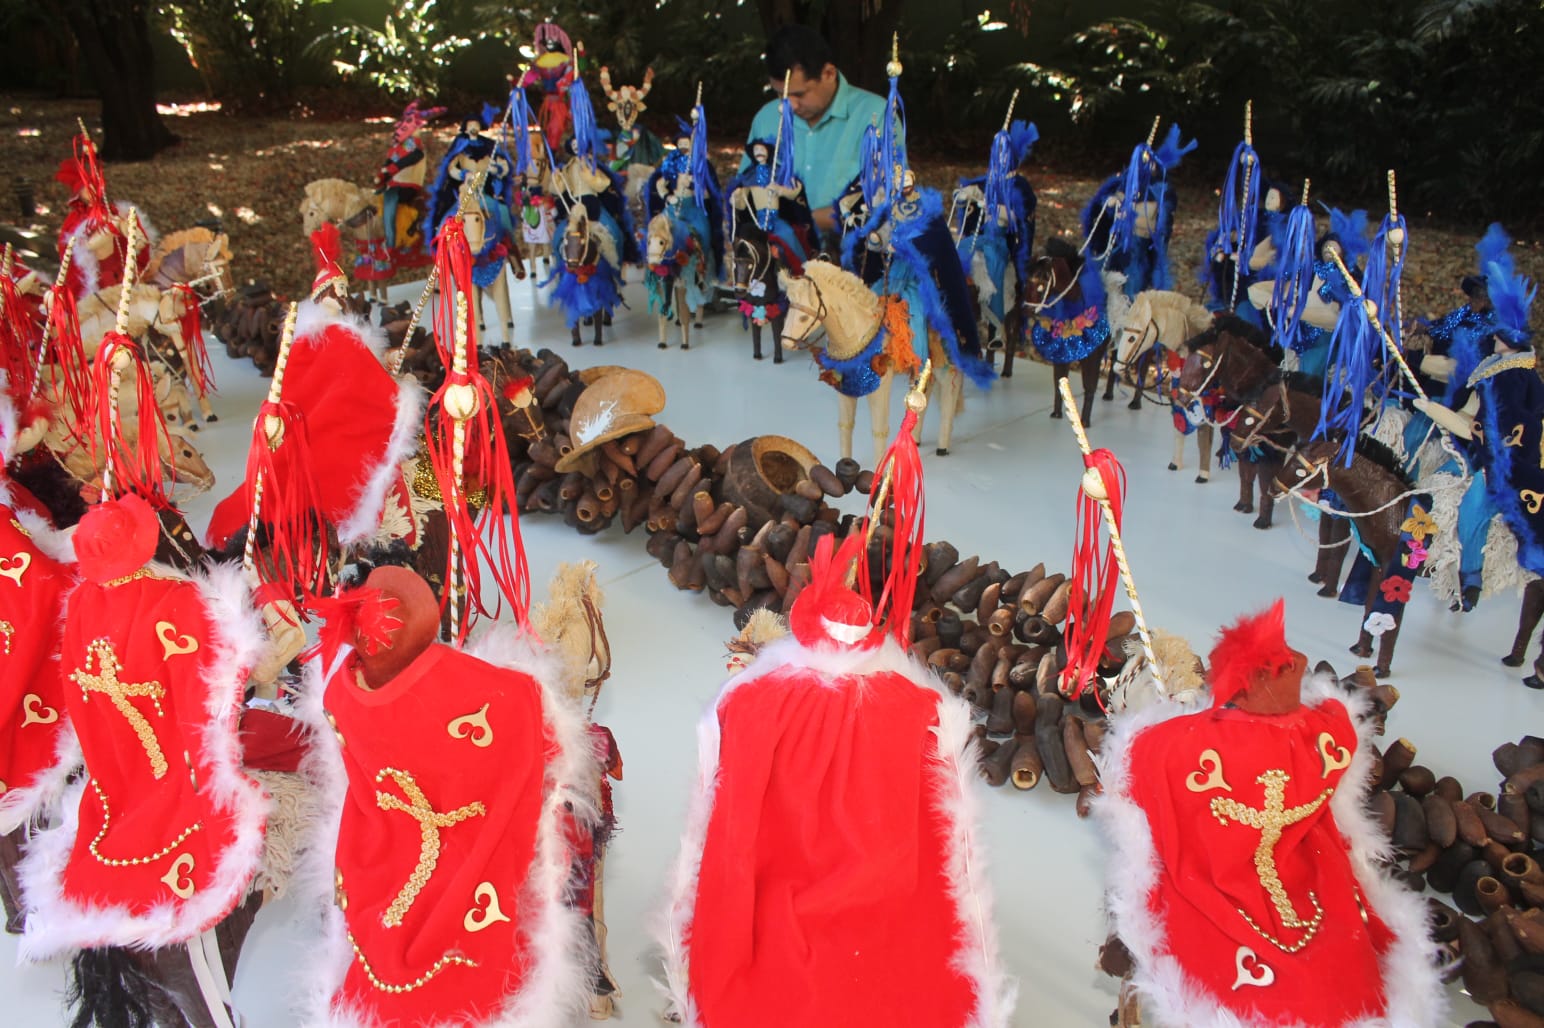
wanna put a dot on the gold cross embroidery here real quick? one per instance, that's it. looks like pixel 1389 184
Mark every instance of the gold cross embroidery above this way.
pixel 430 823
pixel 1270 820
pixel 105 681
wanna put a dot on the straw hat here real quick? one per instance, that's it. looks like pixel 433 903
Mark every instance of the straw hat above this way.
pixel 614 405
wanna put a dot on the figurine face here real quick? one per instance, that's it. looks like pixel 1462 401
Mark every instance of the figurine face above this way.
pixel 1330 250
pixel 759 154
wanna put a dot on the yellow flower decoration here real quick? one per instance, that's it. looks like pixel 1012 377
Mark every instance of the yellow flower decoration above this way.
pixel 1419 524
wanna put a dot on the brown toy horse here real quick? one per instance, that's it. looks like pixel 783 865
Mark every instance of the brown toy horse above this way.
pixel 1053 281
pixel 1368 492
pixel 1239 366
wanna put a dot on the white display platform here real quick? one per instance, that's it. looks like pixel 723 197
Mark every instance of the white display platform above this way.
pixel 1006 492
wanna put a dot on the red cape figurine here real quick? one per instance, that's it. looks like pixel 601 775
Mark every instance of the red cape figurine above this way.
pixel 1243 877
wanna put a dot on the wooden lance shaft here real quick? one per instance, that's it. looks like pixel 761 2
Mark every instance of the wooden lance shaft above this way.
pixel 118 358
pixel 273 434
pixel 50 326
pixel 1103 500
pixel 460 404
pixel 412 323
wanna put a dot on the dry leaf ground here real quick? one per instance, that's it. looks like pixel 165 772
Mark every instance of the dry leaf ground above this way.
pixel 250 172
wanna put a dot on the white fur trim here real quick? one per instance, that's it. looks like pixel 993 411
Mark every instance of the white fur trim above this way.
pixel 38 804
pixel 954 767
pixel 1411 984
pixel 10 427
pixel 365 520
pixel 82 259
pixel 557 989
pixel 56 924
pixel 312 318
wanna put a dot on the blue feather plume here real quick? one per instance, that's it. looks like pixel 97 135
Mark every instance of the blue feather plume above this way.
pixel 783 174
pixel 702 171
pixel 1022 136
pixel 1348 372
pixel 1238 214
pixel 1000 165
pixel 870 171
pixel 1294 274
pixel 1493 248
pixel 520 118
pixel 1511 295
pixel 1134 186
pixel 1170 152
pixel 892 139
pixel 1381 280
pixel 1351 231
pixel 586 136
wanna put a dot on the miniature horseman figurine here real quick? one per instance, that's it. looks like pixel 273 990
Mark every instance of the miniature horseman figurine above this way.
pixel 1254 899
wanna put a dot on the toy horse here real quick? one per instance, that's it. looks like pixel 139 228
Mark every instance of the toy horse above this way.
pixel 589 282
pixel 755 269
pixel 866 342
pixel 1070 327
pixel 1394 532
pixel 494 243
pixel 677 276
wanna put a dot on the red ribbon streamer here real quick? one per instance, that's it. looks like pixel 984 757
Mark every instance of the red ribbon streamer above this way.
pixel 1095 577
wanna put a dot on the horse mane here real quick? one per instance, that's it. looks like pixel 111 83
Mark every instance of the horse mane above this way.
pixel 1381 454
pixel 180 238
pixel 563 623
pixel 1299 382
pixel 1056 247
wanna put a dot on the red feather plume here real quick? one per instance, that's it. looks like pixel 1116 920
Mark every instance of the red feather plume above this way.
pixel 1252 643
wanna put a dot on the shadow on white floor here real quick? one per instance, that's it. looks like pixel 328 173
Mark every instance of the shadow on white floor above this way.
pixel 1007 492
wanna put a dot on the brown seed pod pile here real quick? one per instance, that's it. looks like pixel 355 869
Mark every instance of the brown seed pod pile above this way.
pixel 1484 849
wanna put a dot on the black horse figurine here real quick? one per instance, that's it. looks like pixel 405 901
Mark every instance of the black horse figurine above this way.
pixel 755 266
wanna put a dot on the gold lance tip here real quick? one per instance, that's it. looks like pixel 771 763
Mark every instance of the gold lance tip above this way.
pixel 1304 201
pixel 1152 136
pixel 1249 123
pixel 1393 196
pixel 699 98
pixel 1008 118
pixel 894 68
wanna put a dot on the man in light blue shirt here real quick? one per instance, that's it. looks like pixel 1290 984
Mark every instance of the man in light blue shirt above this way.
pixel 830 116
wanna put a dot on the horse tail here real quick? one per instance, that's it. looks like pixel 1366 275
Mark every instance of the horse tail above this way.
pixel 109 988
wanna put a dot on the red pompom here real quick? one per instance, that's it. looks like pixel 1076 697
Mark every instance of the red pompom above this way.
pixel 116 538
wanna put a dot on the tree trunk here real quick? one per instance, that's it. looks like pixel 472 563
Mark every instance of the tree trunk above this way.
pixel 114 38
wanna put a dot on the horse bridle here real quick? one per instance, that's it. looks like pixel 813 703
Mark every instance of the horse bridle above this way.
pixel 817 317
pixel 1309 471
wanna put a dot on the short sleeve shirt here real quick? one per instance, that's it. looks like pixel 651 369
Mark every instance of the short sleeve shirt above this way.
pixel 826 154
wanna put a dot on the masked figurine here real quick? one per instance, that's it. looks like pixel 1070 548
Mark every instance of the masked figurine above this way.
pixel 553 70
pixel 400 182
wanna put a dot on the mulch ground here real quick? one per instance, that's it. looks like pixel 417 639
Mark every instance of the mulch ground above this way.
pixel 250 174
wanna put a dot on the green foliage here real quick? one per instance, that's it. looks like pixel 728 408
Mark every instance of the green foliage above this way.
pixel 252 54
pixel 1442 91
pixel 409 56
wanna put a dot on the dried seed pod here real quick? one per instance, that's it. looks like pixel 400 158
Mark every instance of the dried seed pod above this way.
pixel 1048 742
pixel 1500 829
pixel 1441 824
pixel 1034 598
pixel 865 482
pixel 681 564
pixel 986 603
pixel 955 683
pixel 1056 607
pixel 686 486
pixel 1449 789
pixel 1417 780
pixel 1000 720
pixel 847 471
pixel 955 578
pixel 1381 806
pixel 1409 833
pixel 826 480
pixel 1483 974
pixel 996 768
pixel 1470 828
pixel 1000 668
pixel 674 477
pixel 662 462
pixel 1399 756
pixel 1085 801
pixel 1094 732
pixel 1027 767
pixel 1013 586
pixel 1077 752
pixel 611 450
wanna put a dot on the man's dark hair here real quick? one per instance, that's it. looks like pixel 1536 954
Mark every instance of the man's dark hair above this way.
pixel 797 46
